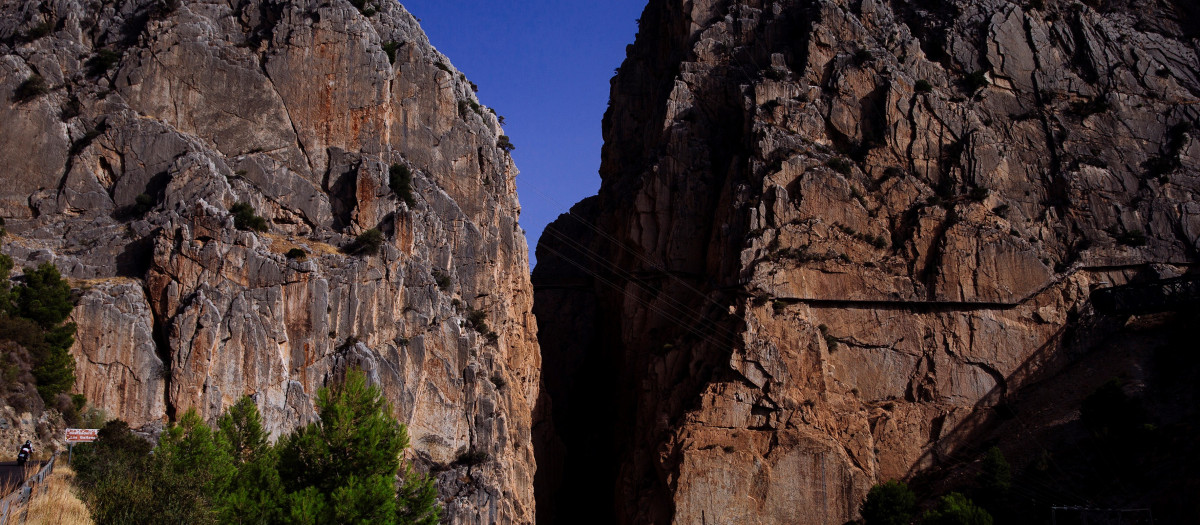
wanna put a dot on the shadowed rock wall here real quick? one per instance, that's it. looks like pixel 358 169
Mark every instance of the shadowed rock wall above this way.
pixel 830 232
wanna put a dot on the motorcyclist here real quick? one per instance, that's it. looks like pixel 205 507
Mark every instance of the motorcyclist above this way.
pixel 26 452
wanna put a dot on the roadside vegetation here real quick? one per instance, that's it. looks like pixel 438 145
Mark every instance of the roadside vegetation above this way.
pixel 36 368
pixel 345 468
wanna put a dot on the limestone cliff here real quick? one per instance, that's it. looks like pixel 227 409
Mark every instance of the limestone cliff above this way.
pixel 132 129
pixel 833 235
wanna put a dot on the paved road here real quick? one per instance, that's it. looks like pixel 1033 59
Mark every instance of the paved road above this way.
pixel 10 474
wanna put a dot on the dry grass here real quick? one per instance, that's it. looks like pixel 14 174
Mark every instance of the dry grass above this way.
pixel 59 504
pixel 281 244
pixel 80 283
pixel 9 488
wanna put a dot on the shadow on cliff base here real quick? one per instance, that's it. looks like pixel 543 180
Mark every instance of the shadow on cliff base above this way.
pixel 1103 415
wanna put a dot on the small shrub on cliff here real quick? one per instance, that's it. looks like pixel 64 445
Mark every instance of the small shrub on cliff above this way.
pixel 477 319
pixel 368 242
pixel 472 457
pixel 297 253
pixel 505 144
pixel 498 380
pixel 390 48
pixel 244 218
pixel 839 165
pixel 102 61
pixel 400 181
pixel 38 31
pixel 862 57
pixel 979 193
pixel 975 81
pixel 923 86
pixel 33 87
pixel 442 280
pixel 142 204
pixel 1132 238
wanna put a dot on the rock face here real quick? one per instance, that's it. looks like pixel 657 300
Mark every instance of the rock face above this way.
pixel 833 235
pixel 133 127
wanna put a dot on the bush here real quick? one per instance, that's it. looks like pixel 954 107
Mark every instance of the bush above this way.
pixel 297 253
pixel 923 86
pixel 1091 107
pixel 498 380
pixel 862 56
pixel 390 48
pixel 1132 238
pixel 368 242
pixel 142 204
pixel 400 181
pixel 102 61
pixel 442 280
pixel 975 81
pixel 505 144
pixel 831 342
pixel 472 457
pixel 245 219
pixel 33 87
pixel 839 165
pixel 38 31
pixel 477 319
pixel 956 509
pixel 341 469
pixel 890 503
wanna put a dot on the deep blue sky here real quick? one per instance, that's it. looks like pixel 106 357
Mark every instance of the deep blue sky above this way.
pixel 544 65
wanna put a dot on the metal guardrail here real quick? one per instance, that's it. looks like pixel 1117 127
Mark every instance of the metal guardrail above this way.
pixel 14 508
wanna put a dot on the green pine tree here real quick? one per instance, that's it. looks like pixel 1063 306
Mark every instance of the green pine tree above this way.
pixel 343 468
pixel 190 469
pixel 45 298
pixel 889 503
pixel 994 484
pixel 956 509
pixel 255 494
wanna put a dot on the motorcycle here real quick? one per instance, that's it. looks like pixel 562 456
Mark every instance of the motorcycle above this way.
pixel 22 457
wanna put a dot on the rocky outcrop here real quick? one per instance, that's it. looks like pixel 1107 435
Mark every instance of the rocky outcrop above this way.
pixel 832 236
pixel 133 128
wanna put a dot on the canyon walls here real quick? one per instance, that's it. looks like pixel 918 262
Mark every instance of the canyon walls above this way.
pixel 136 133
pixel 834 236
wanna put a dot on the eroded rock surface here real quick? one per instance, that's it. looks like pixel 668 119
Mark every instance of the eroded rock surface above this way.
pixel 831 234
pixel 154 119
